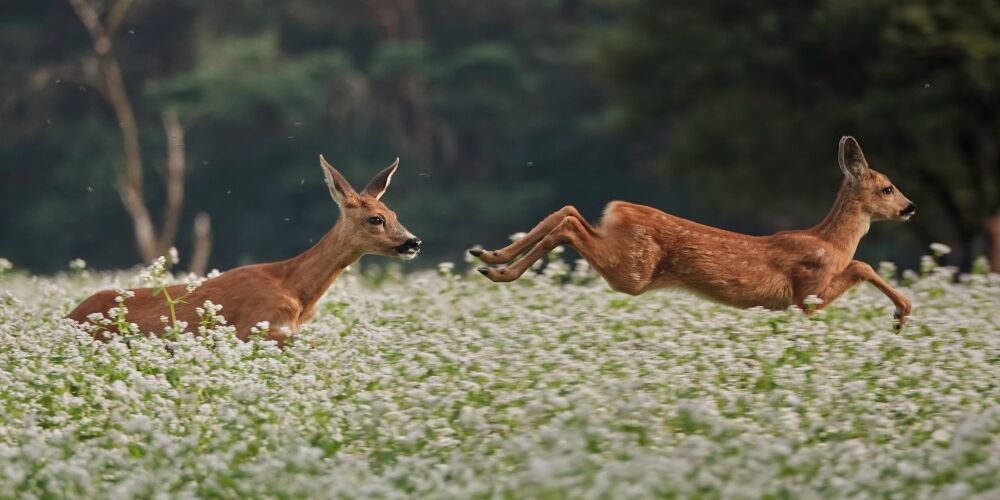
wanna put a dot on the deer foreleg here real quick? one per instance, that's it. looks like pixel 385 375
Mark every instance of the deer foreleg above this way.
pixel 855 273
pixel 510 252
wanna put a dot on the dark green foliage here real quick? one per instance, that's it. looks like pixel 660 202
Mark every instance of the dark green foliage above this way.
pixel 746 98
pixel 499 112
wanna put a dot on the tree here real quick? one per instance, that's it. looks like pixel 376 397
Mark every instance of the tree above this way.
pixel 111 84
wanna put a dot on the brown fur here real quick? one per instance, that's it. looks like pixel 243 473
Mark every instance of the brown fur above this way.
pixel 638 248
pixel 282 293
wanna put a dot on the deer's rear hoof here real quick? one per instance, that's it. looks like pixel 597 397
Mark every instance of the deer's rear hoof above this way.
pixel 499 274
pixel 476 252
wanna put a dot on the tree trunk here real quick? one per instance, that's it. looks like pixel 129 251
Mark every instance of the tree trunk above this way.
pixel 202 244
pixel 174 180
pixel 992 227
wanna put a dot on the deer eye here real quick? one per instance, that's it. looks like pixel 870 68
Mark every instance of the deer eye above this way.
pixel 887 191
pixel 376 221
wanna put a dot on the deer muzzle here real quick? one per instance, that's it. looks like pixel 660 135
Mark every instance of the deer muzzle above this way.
pixel 410 247
pixel 908 212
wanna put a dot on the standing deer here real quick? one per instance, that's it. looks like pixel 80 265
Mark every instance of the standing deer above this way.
pixel 638 248
pixel 282 293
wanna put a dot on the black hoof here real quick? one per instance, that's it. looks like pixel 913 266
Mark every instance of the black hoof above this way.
pixel 485 271
pixel 476 252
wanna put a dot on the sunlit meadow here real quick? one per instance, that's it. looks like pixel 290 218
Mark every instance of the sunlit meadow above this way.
pixel 442 384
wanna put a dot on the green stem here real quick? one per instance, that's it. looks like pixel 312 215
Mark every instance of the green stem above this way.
pixel 170 305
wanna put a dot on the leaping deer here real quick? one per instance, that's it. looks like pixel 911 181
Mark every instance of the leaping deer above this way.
pixel 282 293
pixel 638 248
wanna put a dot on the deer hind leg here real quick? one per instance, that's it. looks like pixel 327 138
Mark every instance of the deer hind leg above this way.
pixel 855 273
pixel 510 252
pixel 591 245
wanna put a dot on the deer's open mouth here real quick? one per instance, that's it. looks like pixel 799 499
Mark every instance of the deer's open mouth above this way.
pixel 408 254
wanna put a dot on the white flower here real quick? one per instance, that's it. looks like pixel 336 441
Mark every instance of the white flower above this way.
pixel 260 328
pixel 194 285
pixel 446 267
pixel 812 300
pixel 5 265
pixel 174 255
pixel 443 387
pixel 517 236
pixel 940 249
pixel 77 264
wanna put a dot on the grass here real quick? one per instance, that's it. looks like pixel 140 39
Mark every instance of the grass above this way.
pixel 445 385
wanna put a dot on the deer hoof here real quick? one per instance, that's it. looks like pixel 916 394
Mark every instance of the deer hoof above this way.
pixel 485 271
pixel 898 320
pixel 476 252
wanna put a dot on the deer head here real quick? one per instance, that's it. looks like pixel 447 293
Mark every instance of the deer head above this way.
pixel 373 228
pixel 878 197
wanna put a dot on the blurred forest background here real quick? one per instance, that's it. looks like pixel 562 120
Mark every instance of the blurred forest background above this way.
pixel 125 120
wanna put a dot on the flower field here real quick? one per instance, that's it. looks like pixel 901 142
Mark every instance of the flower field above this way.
pixel 437 384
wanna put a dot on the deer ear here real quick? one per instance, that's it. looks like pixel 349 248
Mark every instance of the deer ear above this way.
pixel 340 189
pixel 376 188
pixel 852 160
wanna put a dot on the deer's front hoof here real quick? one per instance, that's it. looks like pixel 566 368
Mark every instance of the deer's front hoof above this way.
pixel 899 319
pixel 476 252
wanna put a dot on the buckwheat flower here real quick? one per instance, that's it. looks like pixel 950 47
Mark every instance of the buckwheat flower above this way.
pixel 940 249
pixel 5 265
pixel 192 286
pixel 260 328
pixel 517 236
pixel 446 267
pixel 174 256
pixel 95 317
pixel 77 265
pixel 812 300
pixel 214 273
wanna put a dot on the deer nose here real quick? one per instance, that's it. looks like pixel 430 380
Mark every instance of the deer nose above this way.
pixel 908 210
pixel 412 244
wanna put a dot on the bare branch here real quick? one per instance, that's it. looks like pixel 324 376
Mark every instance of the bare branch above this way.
pixel 91 20
pixel 117 16
pixel 89 17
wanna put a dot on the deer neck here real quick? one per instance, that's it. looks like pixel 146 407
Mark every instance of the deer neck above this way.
pixel 310 274
pixel 846 223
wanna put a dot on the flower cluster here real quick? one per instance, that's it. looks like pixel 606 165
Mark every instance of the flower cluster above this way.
pixel 443 384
